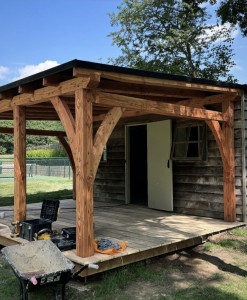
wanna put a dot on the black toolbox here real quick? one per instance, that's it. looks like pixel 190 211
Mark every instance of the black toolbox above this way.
pixel 69 233
pixel 48 215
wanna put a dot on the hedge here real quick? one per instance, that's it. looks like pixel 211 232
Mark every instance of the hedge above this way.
pixel 46 153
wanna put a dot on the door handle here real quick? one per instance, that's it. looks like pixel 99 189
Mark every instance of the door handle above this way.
pixel 168 164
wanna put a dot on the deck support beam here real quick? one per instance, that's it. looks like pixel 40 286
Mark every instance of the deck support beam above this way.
pixel 19 163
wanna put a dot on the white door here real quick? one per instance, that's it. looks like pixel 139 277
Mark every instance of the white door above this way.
pixel 160 191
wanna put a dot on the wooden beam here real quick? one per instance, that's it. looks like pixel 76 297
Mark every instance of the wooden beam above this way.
pixel 160 108
pixel 44 94
pixel 135 79
pixel 229 167
pixel 219 98
pixel 103 133
pixel 138 89
pixel 5 105
pixel 126 114
pixel 84 173
pixel 34 132
pixel 67 149
pixel 19 163
pixel 67 120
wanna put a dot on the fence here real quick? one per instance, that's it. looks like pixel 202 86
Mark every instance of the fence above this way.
pixel 52 166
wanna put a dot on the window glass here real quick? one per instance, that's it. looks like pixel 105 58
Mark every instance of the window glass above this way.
pixel 189 143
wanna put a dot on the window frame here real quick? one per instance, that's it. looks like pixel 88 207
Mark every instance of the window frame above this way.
pixel 202 139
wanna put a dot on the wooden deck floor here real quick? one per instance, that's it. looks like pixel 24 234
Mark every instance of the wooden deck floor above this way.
pixel 147 232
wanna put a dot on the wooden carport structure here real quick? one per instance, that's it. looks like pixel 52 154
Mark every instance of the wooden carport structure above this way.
pixel 79 93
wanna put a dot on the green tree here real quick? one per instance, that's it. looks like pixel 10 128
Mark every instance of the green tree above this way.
pixel 172 36
pixel 235 12
pixel 7 141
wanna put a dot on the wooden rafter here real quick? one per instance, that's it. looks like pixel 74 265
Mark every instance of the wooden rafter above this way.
pixel 138 89
pixel 155 107
pixel 151 81
pixel 219 98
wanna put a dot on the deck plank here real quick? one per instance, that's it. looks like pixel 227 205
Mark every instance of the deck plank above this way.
pixel 147 232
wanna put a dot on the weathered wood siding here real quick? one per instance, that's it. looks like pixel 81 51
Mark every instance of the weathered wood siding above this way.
pixel 110 179
pixel 244 152
pixel 198 186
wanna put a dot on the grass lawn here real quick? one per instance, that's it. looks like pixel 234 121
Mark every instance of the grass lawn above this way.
pixel 216 270
pixel 58 188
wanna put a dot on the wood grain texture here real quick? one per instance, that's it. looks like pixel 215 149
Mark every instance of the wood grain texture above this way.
pixel 229 167
pixel 157 107
pixel 219 98
pixel 147 232
pixel 151 81
pixel 44 94
pixel 219 137
pixel 103 133
pixel 19 164
pixel 67 120
pixel 84 173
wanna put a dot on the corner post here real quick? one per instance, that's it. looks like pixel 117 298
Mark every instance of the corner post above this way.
pixel 229 164
pixel 84 172
pixel 19 163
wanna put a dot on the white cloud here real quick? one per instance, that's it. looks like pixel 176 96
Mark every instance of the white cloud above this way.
pixel 219 29
pixel 3 72
pixel 33 69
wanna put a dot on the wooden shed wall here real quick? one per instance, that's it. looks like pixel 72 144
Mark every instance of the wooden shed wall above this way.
pixel 244 146
pixel 110 179
pixel 198 186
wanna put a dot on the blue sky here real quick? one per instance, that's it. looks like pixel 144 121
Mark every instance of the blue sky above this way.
pixel 36 34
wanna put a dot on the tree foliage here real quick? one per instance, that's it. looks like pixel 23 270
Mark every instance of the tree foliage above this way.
pixel 7 141
pixel 172 36
pixel 235 12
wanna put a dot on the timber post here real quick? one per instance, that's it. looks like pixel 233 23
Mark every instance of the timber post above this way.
pixel 229 164
pixel 84 172
pixel 225 140
pixel 19 163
